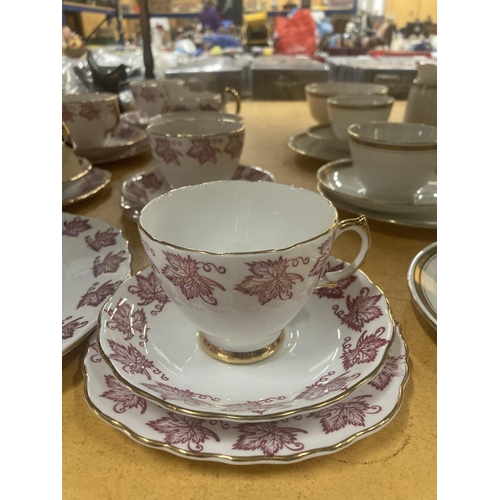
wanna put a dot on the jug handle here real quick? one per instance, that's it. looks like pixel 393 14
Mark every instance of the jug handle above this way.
pixel 236 96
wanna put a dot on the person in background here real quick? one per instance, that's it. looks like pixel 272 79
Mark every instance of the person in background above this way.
pixel 209 17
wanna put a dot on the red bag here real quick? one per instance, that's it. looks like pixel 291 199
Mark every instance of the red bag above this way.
pixel 296 34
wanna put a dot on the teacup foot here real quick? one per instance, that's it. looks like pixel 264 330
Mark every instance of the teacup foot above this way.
pixel 241 358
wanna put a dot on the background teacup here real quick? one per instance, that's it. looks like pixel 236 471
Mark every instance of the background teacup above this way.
pixel 182 99
pixel 190 151
pixel 151 96
pixel 318 93
pixel 393 160
pixel 344 110
pixel 90 117
pixel 241 259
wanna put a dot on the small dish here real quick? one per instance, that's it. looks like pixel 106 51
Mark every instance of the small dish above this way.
pixel 321 132
pixel 306 145
pixel 83 187
pixel 422 282
pixel 95 260
pixel 336 343
pixel 326 431
pixel 340 178
pixel 139 190
pixel 123 142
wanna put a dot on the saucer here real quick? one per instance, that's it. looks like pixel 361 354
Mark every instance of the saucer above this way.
pixel 95 260
pixel 337 342
pixel 123 142
pixel 85 167
pixel 321 132
pixel 139 190
pixel 422 219
pixel 339 177
pixel 83 187
pixel 422 282
pixel 137 118
pixel 312 147
pixel 323 432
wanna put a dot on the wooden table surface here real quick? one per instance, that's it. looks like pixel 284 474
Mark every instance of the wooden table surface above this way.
pixel 397 462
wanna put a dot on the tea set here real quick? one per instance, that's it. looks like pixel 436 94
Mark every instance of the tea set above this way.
pixel 243 325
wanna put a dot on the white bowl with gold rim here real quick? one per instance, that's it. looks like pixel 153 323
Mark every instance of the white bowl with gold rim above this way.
pixel 393 160
pixel 318 93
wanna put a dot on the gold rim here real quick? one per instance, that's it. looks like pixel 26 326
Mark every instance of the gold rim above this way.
pixel 257 252
pixel 190 136
pixel 386 104
pixel 394 147
pixel 86 168
pixel 240 358
pixel 88 193
pixel 224 416
pixel 237 459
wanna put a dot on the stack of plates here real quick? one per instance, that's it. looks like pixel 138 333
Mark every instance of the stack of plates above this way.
pixel 338 377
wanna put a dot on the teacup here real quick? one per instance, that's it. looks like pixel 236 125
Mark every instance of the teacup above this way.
pixel 72 167
pixel 318 93
pixel 194 115
pixel 90 117
pixel 190 151
pixel 241 259
pixel 344 110
pixel 151 96
pixel 393 160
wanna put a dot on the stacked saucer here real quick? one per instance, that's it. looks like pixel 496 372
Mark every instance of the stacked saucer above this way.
pixel 338 182
pixel 317 143
pixel 339 376
pixel 95 260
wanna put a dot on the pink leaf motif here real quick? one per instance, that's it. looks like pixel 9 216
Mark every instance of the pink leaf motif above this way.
pixel 180 429
pixel 202 151
pixel 167 152
pixel 123 398
pixel 324 255
pixel 351 412
pixel 95 296
pixel 110 264
pixel 338 291
pixel 258 406
pixel 170 393
pixel 248 174
pixel 68 329
pixel 76 226
pixel 268 437
pixel 151 181
pixel 362 309
pixel 102 239
pixel 148 289
pixel 394 367
pixel 67 114
pixel 150 94
pixel 128 322
pixel 321 387
pixel 207 107
pixel 183 273
pixel 89 111
pixel 366 348
pixel 234 146
pixel 137 193
pixel 269 280
pixel 125 133
pixel 131 359
pixel 180 107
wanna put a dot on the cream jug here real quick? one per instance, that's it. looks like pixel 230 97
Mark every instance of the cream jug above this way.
pixel 421 106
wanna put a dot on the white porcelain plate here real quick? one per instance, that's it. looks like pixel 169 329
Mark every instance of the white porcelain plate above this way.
pixel 422 282
pixel 306 145
pixel 95 260
pixel 338 177
pixel 288 440
pixel 123 142
pixel 139 190
pixel 83 187
pixel 337 342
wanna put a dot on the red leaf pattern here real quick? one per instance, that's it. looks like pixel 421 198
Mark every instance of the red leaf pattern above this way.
pixel 150 94
pixel 131 359
pixel 89 111
pixel 76 226
pixel 151 181
pixel 336 292
pixel 183 273
pixel 394 367
pixel 324 254
pixel 68 329
pixel 110 263
pixel 258 406
pixel 166 151
pixel 248 174
pixel 267 437
pixel 203 151
pixel 366 348
pixel 269 280
pixel 124 399
pixel 128 322
pixel 362 309
pixel 321 387
pixel 234 146
pixel 102 239
pixel 149 289
pixel 67 114
pixel 351 412
pixel 170 393
pixel 95 296
pixel 181 429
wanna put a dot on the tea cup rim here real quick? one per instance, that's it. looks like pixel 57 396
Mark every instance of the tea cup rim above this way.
pixel 150 129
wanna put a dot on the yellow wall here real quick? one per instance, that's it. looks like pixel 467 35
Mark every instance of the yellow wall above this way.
pixel 409 10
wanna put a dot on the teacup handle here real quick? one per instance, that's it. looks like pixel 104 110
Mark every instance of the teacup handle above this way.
pixel 236 96
pixel 360 226
pixel 66 136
